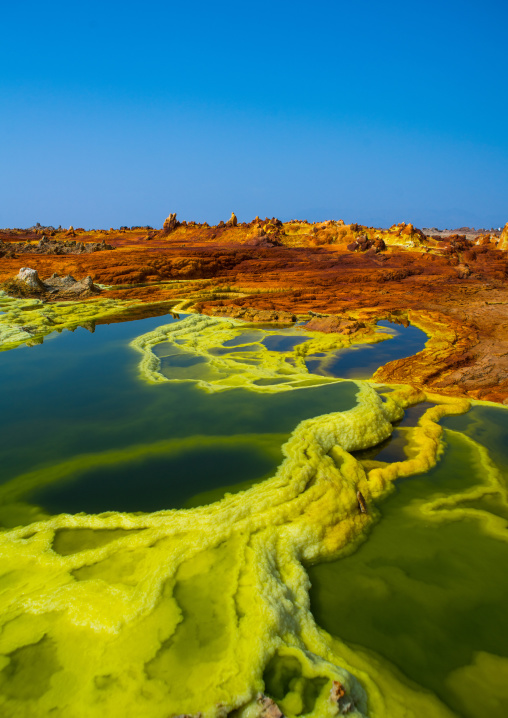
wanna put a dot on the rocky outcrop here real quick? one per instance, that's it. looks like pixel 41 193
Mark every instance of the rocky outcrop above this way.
pixel 463 271
pixel 258 316
pixel 406 235
pixel 71 287
pixel 363 244
pixel 503 239
pixel 267 708
pixel 170 224
pixel 262 240
pixel 31 279
pixel 53 246
pixel 339 698
pixel 232 221
pixel 7 250
pixel 55 286
pixel 470 233
pixel 277 272
pixel 335 325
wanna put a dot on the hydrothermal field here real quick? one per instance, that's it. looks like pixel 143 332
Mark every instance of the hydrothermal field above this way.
pixel 196 511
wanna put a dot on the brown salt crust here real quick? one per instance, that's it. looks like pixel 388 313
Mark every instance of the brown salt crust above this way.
pixel 453 287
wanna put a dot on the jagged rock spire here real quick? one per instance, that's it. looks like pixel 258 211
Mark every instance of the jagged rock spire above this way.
pixel 170 224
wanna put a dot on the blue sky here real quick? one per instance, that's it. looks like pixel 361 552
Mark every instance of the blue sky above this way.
pixel 119 113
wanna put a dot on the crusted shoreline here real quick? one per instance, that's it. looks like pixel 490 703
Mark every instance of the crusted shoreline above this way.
pixel 452 285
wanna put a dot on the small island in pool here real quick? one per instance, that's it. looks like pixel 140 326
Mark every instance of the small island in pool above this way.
pixel 253 470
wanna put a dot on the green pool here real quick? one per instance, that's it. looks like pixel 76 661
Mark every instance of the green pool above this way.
pixel 180 530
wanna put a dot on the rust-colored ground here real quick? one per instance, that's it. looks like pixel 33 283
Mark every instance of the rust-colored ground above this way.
pixel 456 290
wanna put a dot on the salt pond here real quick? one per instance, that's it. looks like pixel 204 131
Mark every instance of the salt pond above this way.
pixel 415 612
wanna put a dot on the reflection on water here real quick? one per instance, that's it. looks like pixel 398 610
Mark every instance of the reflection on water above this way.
pixel 244 338
pixel 427 595
pixel 79 395
pixel 283 343
pixel 361 362
pixel 221 351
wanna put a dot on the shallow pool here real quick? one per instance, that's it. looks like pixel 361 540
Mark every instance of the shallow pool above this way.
pixel 362 361
pixel 127 613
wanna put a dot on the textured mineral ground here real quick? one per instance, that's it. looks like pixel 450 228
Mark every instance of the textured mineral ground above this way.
pixel 343 278
pixel 178 546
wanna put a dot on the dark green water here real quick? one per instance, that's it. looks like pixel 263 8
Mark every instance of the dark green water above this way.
pixel 392 449
pixel 79 394
pixel 426 595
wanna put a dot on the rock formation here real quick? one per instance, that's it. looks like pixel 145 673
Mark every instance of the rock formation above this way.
pixel 339 698
pixel 503 240
pixel 170 224
pixel 69 286
pixel 334 325
pixel 7 250
pixel 30 278
pixel 53 246
pixel 55 286
pixel 454 285
pixel 267 708
pixel 363 244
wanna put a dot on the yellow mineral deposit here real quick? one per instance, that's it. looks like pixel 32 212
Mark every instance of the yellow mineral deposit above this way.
pixel 249 363
pixel 198 611
pixel 27 321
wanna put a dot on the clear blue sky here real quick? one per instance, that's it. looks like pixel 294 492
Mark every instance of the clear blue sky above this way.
pixel 118 113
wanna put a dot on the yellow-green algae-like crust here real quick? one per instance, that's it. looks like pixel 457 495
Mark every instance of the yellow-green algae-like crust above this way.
pixel 249 364
pixel 176 612
pixel 27 321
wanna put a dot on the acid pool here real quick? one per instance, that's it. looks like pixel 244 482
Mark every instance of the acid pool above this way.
pixel 168 488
